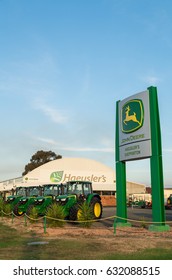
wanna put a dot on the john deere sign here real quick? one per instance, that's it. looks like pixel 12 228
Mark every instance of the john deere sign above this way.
pixel 138 136
pixel 134 134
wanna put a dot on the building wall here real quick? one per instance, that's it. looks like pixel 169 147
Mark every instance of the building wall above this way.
pixel 108 200
pixel 133 187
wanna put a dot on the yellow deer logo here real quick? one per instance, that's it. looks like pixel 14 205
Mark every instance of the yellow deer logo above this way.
pixel 130 117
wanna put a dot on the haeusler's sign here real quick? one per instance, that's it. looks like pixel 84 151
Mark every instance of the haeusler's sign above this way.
pixel 60 176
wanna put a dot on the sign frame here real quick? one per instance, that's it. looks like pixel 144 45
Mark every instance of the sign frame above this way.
pixel 153 131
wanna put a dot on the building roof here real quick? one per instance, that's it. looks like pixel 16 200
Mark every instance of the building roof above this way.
pixel 67 169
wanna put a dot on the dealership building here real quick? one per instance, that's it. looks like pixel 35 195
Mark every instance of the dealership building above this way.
pixel 66 169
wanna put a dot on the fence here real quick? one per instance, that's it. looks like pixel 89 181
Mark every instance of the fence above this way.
pixel 142 223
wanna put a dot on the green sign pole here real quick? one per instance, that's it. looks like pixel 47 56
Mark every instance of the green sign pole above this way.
pixel 120 181
pixel 121 192
pixel 158 210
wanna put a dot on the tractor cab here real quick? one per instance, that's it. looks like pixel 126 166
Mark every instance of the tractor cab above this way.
pixel 79 188
pixel 32 191
pixel 18 193
pixel 52 190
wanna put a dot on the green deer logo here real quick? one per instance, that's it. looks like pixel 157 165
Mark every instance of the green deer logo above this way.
pixel 132 116
pixel 128 117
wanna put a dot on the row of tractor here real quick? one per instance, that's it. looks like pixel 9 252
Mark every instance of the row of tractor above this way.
pixel 70 196
pixel 140 200
pixel 143 203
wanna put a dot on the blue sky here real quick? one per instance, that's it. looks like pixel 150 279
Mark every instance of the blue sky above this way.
pixel 63 66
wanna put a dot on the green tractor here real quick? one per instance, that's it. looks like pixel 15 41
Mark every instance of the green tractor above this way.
pixel 168 204
pixel 76 193
pixel 43 202
pixel 25 201
pixel 13 199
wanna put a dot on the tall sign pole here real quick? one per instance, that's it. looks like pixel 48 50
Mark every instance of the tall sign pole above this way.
pixel 157 184
pixel 120 178
pixel 138 137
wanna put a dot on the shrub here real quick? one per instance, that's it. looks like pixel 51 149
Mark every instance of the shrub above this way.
pixel 85 215
pixel 6 209
pixel 1 204
pixel 33 214
pixel 143 222
pixel 55 211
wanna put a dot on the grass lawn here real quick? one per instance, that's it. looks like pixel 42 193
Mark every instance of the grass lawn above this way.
pixel 31 246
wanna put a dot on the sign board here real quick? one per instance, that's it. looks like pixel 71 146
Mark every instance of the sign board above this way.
pixel 134 127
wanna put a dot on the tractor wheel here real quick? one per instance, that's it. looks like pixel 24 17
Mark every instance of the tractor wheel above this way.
pixel 74 213
pixel 168 201
pixel 16 210
pixel 96 206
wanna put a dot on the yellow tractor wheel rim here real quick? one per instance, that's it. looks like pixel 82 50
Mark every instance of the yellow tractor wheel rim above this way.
pixel 20 212
pixel 97 210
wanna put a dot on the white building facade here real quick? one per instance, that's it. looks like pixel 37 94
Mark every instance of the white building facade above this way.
pixel 69 169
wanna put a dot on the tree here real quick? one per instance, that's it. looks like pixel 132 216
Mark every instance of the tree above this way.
pixel 40 158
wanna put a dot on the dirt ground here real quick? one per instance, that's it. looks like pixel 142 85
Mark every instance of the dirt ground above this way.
pixel 133 237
